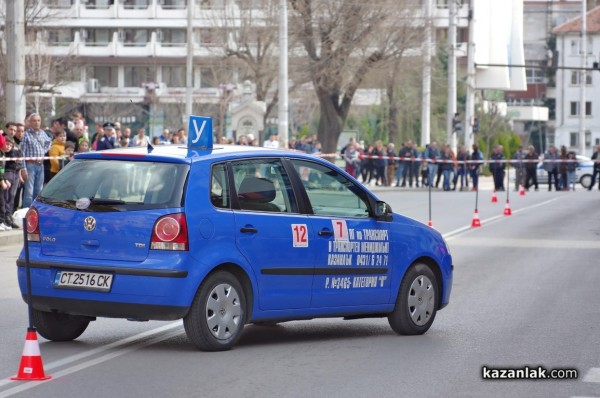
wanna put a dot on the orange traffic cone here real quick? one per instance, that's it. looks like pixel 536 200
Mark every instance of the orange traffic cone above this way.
pixel 31 366
pixel 507 211
pixel 522 190
pixel 476 222
pixel 494 197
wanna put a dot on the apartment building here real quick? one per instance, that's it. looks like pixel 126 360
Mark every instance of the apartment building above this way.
pixel 569 81
pixel 125 60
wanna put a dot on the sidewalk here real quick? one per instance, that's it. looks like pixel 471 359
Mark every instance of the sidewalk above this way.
pixel 15 236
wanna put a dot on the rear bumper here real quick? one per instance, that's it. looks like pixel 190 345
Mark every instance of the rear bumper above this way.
pixel 137 292
pixel 140 312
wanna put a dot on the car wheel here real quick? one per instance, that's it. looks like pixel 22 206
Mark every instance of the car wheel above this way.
pixel 217 315
pixel 586 181
pixel 416 304
pixel 59 327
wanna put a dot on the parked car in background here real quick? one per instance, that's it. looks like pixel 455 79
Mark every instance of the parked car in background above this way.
pixel 584 172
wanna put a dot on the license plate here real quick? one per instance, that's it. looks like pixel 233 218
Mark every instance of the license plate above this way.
pixel 83 280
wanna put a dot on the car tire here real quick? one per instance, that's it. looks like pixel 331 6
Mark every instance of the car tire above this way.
pixel 218 313
pixel 586 181
pixel 416 304
pixel 56 326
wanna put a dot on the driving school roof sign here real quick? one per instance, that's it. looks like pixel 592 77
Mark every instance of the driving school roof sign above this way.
pixel 200 132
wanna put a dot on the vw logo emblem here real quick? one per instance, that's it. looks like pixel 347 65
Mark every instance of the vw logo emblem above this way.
pixel 89 223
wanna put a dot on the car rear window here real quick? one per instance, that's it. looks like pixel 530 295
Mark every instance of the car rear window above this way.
pixel 117 185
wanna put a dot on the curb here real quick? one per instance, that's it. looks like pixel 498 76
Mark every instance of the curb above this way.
pixel 11 237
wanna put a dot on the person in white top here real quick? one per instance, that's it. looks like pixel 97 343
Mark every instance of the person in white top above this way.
pixel 272 142
pixel 140 139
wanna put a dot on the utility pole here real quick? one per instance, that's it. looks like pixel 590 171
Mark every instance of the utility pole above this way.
pixel 451 74
pixel 582 78
pixel 426 89
pixel 15 40
pixel 189 67
pixel 470 134
pixel 283 74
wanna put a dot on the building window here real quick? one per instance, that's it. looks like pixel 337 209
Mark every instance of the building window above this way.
pixel 444 3
pixel 107 76
pixel 98 37
pixel 60 37
pixel 576 78
pixel 59 3
pixel 172 37
pixel 575 108
pixel 574 47
pixel 99 4
pixel 136 4
pixel 534 76
pixel 207 78
pixel 574 139
pixel 212 3
pixel 173 76
pixel 137 76
pixel 135 37
pixel 173 4
pixel 208 37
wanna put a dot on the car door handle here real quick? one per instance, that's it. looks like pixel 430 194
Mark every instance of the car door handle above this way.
pixel 325 232
pixel 248 230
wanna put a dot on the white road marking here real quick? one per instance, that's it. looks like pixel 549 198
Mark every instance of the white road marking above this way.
pixel 537 243
pixel 90 363
pixel 128 340
pixel 453 234
pixel 592 376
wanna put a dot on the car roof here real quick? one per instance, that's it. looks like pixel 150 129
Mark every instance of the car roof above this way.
pixel 185 154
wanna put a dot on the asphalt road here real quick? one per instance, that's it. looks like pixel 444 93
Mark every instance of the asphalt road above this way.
pixel 526 293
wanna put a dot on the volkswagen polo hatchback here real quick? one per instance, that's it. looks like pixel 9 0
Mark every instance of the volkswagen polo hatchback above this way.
pixel 223 237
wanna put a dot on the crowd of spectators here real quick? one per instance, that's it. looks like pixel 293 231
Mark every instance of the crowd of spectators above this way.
pixel 22 178
pixel 37 154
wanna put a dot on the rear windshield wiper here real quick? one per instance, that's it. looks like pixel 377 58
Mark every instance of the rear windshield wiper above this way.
pixel 98 201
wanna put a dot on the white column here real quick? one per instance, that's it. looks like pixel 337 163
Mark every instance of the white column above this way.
pixel 451 73
pixel 189 66
pixel 15 40
pixel 426 89
pixel 283 74
pixel 582 76
pixel 470 101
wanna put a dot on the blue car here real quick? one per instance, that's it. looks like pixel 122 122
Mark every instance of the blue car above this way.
pixel 223 237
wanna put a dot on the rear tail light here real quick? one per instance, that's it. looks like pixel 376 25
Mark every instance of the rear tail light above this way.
pixel 170 233
pixel 32 223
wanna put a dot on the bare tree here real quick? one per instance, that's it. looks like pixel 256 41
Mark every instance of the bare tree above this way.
pixel 344 40
pixel 251 41
pixel 44 72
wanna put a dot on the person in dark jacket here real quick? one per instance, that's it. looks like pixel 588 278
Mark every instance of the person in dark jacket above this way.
pixel 519 167
pixel 475 166
pixel 596 173
pixel 562 168
pixel 551 158
pixel 497 166
pixel 531 162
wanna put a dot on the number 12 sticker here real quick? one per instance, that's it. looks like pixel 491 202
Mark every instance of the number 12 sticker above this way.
pixel 300 235
pixel 340 229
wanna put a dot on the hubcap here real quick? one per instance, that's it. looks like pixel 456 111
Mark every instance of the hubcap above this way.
pixel 421 300
pixel 223 311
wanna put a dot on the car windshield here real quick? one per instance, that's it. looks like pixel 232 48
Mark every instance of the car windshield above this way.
pixel 117 185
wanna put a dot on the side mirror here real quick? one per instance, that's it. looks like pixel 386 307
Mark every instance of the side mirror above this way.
pixel 383 211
